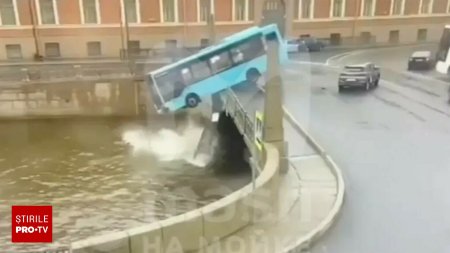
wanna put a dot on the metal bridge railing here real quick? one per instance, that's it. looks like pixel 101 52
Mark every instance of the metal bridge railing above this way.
pixel 242 119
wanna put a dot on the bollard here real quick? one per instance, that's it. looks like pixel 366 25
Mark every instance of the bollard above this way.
pixel 26 75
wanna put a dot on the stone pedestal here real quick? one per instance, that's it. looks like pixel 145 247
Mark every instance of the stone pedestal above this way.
pixel 273 132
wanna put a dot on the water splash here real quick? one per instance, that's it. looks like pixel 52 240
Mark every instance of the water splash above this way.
pixel 169 145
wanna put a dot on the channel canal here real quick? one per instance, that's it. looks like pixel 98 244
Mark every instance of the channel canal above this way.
pixel 96 181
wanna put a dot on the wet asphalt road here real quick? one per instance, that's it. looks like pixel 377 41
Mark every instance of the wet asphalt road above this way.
pixel 392 144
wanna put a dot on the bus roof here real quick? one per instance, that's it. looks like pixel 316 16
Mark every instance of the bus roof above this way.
pixel 219 45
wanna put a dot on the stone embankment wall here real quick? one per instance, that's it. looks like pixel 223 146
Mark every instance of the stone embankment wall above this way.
pixel 120 97
pixel 74 90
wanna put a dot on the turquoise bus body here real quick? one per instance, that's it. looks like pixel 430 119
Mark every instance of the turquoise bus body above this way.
pixel 227 78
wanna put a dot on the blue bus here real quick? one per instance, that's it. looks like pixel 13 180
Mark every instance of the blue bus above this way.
pixel 241 57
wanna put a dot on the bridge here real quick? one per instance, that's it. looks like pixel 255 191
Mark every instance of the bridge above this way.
pixel 259 116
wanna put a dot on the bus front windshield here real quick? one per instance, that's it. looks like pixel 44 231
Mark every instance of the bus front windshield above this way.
pixel 170 84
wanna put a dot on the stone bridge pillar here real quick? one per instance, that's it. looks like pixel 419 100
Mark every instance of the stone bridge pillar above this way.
pixel 273 130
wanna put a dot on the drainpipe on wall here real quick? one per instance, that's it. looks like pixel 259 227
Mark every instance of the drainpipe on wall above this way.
pixel 130 57
pixel 355 20
pixel 211 23
pixel 185 26
pixel 122 54
pixel 32 9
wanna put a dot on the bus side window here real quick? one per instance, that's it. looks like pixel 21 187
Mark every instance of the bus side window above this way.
pixel 200 70
pixel 237 55
pixel 187 76
pixel 220 62
pixel 252 49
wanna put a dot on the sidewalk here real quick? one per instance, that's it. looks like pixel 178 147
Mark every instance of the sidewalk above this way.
pixel 307 195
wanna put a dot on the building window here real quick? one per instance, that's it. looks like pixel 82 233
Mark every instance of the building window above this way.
pixel 297 9
pixel 394 36
pixel 421 35
pixel 8 14
pixel 306 8
pixel 48 12
pixel 251 9
pixel 239 10
pixel 171 44
pixel 94 48
pixel 52 49
pixel 397 7
pixel 13 51
pixel 368 8
pixel 335 39
pixel 131 11
pixel 90 12
pixel 206 7
pixel 243 10
pixel 204 43
pixel 425 6
pixel 366 37
pixel 338 8
pixel 303 9
pixel 170 10
pixel 134 47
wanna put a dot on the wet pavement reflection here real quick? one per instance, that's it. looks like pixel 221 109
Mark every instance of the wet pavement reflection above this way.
pixel 95 185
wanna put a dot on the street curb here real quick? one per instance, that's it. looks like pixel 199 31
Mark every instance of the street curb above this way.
pixel 305 242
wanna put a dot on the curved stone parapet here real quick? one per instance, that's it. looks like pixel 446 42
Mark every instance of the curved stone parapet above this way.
pixel 198 228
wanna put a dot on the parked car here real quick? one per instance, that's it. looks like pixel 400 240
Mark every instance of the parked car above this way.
pixel 420 60
pixel 296 45
pixel 364 76
pixel 313 44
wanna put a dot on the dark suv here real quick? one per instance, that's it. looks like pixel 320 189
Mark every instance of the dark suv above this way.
pixel 313 44
pixel 364 76
pixel 420 60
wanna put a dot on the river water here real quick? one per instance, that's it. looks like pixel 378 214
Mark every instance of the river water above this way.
pixel 95 182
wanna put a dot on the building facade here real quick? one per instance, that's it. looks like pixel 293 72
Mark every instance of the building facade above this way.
pixel 102 28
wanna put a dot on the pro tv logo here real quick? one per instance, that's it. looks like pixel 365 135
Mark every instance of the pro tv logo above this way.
pixel 31 224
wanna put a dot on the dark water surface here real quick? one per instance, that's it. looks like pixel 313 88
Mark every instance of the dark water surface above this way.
pixel 94 183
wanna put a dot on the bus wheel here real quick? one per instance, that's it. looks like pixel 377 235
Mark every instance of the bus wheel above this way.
pixel 253 75
pixel 192 100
